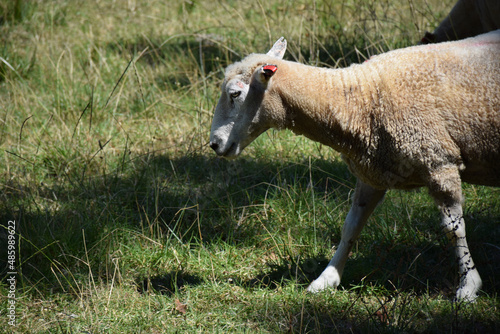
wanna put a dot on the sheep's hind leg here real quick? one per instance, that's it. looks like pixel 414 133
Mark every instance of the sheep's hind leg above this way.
pixel 454 226
pixel 365 201
pixel 448 194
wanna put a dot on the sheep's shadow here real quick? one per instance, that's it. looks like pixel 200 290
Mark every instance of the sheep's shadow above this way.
pixel 200 198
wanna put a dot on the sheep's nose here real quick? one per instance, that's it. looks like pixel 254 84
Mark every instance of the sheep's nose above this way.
pixel 214 146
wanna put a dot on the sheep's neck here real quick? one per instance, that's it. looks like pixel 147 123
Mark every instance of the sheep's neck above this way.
pixel 333 108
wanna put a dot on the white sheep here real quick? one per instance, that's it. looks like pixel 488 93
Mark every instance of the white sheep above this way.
pixel 422 116
pixel 468 18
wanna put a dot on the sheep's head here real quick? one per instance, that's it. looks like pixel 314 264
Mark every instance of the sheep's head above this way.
pixel 239 117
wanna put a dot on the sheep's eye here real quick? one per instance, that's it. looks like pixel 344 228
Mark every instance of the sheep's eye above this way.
pixel 235 94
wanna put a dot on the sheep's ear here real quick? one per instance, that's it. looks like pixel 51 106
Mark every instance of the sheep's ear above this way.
pixel 264 73
pixel 278 49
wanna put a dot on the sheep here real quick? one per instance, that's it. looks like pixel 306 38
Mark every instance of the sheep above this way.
pixel 468 18
pixel 423 116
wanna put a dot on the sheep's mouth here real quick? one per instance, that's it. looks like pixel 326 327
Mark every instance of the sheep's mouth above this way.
pixel 231 152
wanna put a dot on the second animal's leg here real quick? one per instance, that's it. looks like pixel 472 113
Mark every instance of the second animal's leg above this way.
pixel 446 190
pixel 365 201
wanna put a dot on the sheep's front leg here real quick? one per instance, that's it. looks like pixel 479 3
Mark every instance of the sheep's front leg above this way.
pixel 365 201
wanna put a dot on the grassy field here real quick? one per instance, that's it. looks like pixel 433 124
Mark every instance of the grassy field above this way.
pixel 126 222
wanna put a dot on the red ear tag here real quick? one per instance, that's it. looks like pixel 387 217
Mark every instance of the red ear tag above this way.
pixel 269 69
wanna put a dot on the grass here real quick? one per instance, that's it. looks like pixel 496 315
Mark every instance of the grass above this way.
pixel 126 222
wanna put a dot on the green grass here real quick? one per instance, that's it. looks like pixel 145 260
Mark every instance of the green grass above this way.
pixel 128 223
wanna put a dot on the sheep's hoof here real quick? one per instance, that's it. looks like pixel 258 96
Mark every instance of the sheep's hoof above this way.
pixel 328 279
pixel 469 287
pixel 466 294
pixel 314 288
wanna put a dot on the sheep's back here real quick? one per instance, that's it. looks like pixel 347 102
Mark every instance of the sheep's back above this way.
pixel 440 104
